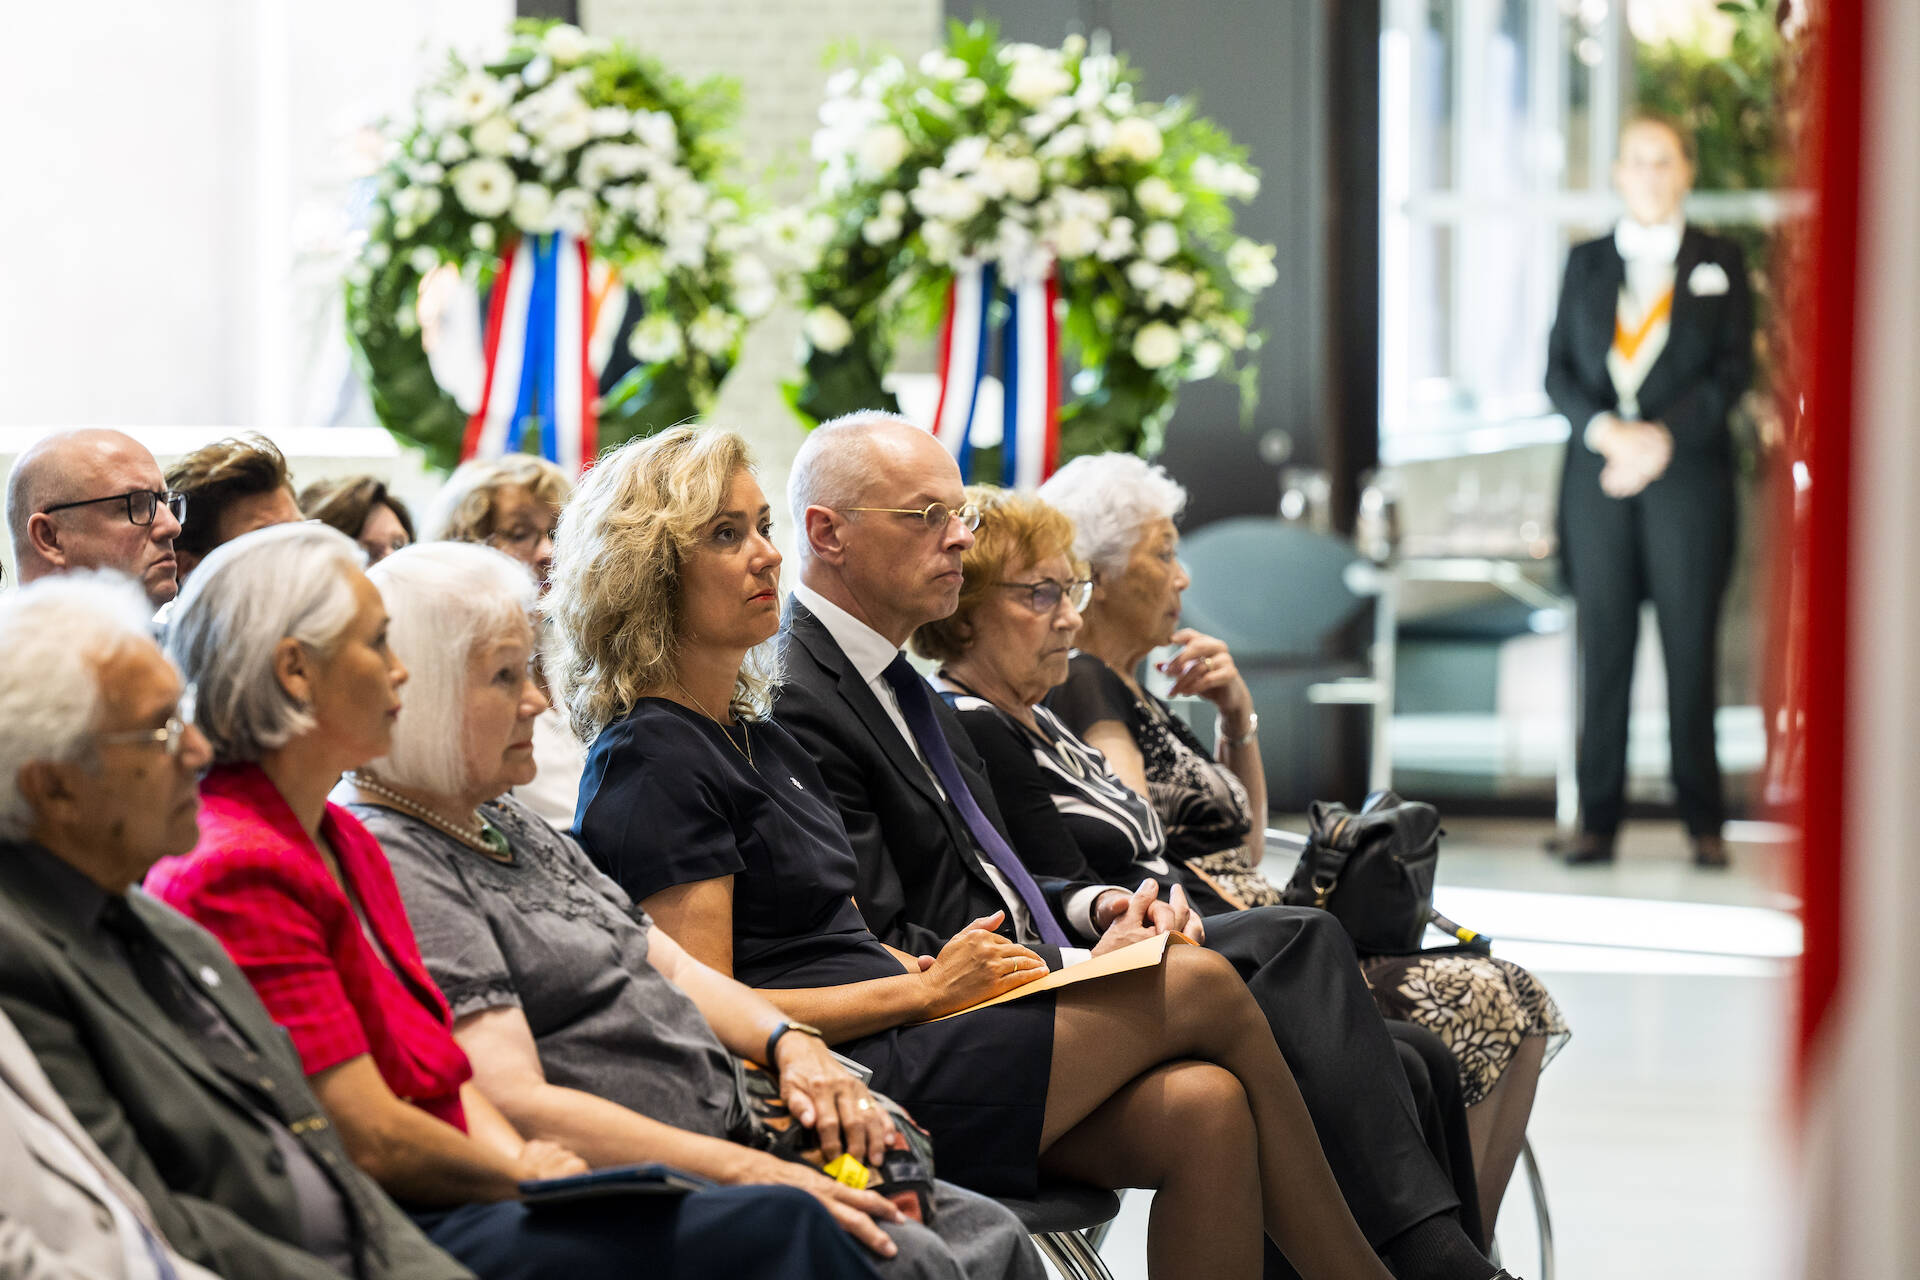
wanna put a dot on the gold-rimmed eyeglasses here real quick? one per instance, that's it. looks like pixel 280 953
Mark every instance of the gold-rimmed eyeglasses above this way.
pixel 170 736
pixel 935 515
pixel 1045 595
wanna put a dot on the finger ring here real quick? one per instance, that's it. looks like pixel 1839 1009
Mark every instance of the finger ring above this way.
pixel 1206 663
pixel 865 1104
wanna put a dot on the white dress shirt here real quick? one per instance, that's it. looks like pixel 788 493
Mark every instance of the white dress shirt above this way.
pixel 1649 253
pixel 871 654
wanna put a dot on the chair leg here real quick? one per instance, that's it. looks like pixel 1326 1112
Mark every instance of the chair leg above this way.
pixel 1537 1184
pixel 1097 1235
pixel 1072 1255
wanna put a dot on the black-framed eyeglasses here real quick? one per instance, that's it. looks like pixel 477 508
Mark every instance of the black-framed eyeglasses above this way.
pixel 141 504
pixel 935 514
pixel 1045 595
pixel 171 736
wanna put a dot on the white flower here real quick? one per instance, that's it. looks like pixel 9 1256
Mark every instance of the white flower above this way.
pixel 566 44
pixel 965 154
pixel 713 332
pixel 892 204
pixel 686 244
pixel 656 130
pixel 610 122
pixel 655 339
pixel 571 210
pixel 1174 289
pixel 1074 238
pixel 941 239
pixel 644 273
pixel 826 330
pixel 537 72
pixel 684 200
pixel 1119 241
pixel 415 204
pixel 1142 275
pixel 1208 356
pixel 476 96
pixel 941 65
pixel 1135 138
pixel 423 260
pixel 880 151
pixel 1159 241
pixel 880 230
pixel 452 149
pixel 484 188
pixel 497 136
pixel 754 291
pixel 1156 346
pixel 1074 45
pixel 379 254
pixel 1019 175
pixel 796 237
pixel 1036 81
pixel 533 208
pixel 1230 332
pixel 970 92
pixel 1158 198
pixel 1067 144
pixel 482 236
pixel 943 196
pixel 1251 265
pixel 606 162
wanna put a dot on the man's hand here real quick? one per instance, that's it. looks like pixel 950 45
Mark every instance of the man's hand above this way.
pixel 830 1100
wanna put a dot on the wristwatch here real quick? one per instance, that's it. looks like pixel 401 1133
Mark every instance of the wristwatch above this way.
pixel 783 1028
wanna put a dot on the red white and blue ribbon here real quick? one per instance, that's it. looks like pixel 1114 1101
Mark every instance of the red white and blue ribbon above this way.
pixel 1029 371
pixel 539 374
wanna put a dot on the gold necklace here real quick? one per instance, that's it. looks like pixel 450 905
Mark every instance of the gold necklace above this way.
pixel 724 731
pixel 482 836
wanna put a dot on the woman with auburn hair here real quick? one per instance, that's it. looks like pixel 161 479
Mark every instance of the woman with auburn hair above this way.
pixel 665 600
pixel 361 508
pixel 286 642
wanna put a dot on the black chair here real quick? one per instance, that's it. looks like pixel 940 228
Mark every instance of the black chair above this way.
pixel 1066 1220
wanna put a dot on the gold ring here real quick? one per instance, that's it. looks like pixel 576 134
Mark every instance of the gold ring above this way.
pixel 865 1104
pixel 1206 663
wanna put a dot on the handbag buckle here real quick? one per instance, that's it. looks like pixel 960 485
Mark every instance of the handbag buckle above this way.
pixel 1322 891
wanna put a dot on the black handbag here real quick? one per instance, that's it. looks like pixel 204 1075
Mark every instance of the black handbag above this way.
pixel 1373 871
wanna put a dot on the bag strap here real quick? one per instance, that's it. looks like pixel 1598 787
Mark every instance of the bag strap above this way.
pixel 1330 855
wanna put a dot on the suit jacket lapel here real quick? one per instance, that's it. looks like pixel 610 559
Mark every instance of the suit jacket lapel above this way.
pixel 859 697
pixel 1693 251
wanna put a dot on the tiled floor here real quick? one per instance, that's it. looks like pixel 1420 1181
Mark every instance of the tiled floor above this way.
pixel 1659 1129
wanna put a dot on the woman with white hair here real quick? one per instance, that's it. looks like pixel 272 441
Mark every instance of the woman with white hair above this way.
pixel 1500 1024
pixel 287 642
pixel 588 1025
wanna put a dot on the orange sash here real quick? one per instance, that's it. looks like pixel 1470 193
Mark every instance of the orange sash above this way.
pixel 1626 342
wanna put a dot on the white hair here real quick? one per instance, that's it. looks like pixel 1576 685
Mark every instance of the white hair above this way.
pixel 56 632
pixel 1111 499
pixel 833 466
pixel 444 600
pixel 285 581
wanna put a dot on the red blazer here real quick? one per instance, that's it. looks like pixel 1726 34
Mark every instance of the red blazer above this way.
pixel 260 885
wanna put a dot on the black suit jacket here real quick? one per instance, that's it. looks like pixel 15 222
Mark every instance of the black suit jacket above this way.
pixel 1694 382
pixel 168 1119
pixel 920 879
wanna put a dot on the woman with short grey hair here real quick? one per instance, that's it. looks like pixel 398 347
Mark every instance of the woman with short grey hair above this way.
pixel 586 1024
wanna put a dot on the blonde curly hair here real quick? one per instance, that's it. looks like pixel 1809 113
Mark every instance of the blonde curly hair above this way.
pixel 615 594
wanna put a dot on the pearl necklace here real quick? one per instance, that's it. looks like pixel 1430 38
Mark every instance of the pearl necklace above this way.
pixel 724 731
pixel 481 836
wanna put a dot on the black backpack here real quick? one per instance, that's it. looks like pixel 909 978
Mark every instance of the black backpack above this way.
pixel 1373 870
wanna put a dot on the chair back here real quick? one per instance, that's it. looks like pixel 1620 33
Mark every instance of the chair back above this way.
pixel 1275 592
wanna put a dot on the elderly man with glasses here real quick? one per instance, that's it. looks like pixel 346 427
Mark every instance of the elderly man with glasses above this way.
pixel 147 1030
pixel 94 499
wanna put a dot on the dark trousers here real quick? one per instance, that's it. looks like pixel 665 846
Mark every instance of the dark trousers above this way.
pixel 742 1233
pixel 1672 543
pixel 1302 971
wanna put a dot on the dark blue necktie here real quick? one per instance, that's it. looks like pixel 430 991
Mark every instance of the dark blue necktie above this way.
pixel 916 708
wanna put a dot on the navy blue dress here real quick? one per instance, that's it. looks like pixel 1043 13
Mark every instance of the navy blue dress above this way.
pixel 667 800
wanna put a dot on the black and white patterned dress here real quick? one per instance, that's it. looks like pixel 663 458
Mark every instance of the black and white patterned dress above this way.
pixel 1484 1007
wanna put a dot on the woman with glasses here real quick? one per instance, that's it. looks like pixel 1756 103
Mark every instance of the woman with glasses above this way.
pixel 1500 1025
pixel 664 607
pixel 286 641
pixel 512 504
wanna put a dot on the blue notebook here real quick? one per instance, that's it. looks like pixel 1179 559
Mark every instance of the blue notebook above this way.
pixel 620 1180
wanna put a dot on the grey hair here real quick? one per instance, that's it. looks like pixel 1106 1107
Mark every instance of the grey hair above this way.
pixel 463 509
pixel 444 600
pixel 56 632
pixel 834 466
pixel 1111 499
pixel 285 581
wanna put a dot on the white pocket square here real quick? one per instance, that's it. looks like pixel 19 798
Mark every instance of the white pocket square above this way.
pixel 1707 279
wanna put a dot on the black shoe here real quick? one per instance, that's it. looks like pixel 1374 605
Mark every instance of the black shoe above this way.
pixel 1588 849
pixel 1711 851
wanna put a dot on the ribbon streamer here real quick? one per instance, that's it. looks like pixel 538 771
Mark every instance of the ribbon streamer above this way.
pixel 539 373
pixel 1030 372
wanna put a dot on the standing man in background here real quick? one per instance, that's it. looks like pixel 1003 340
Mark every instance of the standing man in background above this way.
pixel 1651 348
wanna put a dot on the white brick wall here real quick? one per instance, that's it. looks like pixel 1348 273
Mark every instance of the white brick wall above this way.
pixel 777 50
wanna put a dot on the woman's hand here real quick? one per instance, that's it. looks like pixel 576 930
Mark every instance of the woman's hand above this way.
pixel 1203 668
pixel 542 1159
pixel 855 1211
pixel 830 1100
pixel 978 964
